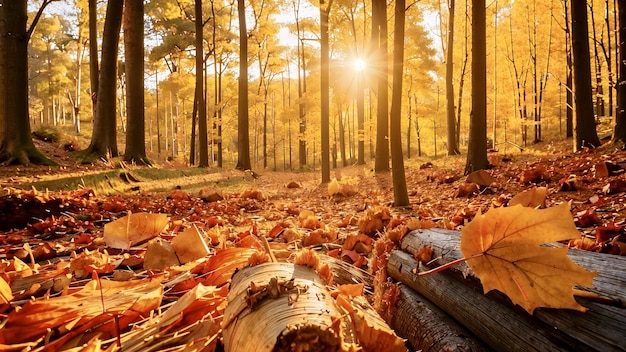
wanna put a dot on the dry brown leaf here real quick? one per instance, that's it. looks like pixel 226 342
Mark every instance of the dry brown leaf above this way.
pixel 190 245
pixel 503 248
pixel 159 255
pixel 309 220
pixel 374 220
pixel 211 195
pixel 373 334
pixel 533 198
pixel 133 229
pixel 480 177
pixel 36 318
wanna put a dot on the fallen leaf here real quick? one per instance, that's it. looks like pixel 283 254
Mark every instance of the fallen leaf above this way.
pixel 211 195
pixel 159 255
pixel 133 229
pixel 374 220
pixel 503 248
pixel 36 318
pixel 480 177
pixel 333 187
pixel 5 292
pixel 466 190
pixel 424 255
pixel 190 245
pixel 533 198
pixel 533 174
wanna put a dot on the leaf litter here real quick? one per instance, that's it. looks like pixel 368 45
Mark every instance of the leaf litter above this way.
pixel 77 286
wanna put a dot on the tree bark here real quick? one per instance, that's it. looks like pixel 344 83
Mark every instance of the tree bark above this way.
pixel 134 69
pixel 94 70
pixel 203 145
pixel 620 117
pixel 16 145
pixel 243 137
pixel 477 149
pixel 428 328
pixel 324 81
pixel 400 194
pixel 379 31
pixel 453 148
pixel 585 125
pixel 104 137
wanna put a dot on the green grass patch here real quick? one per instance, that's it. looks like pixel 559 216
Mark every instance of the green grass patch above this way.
pixel 153 180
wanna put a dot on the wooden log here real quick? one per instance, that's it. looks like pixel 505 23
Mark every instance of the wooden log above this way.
pixel 428 328
pixel 283 307
pixel 304 318
pixel 503 326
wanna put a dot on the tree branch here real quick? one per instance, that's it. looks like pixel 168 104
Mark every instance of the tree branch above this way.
pixel 30 30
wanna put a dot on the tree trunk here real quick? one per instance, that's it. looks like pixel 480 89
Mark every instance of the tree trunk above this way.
pixel 379 31
pixel 203 145
pixel 94 70
pixel 243 138
pixel 585 124
pixel 569 85
pixel 400 194
pixel 477 149
pixel 134 53
pixel 104 137
pixel 453 148
pixel 620 116
pixel 16 145
pixel 301 90
pixel 324 80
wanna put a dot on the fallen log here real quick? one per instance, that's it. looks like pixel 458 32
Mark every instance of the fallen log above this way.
pixel 428 328
pixel 504 326
pixel 283 307
pixel 257 324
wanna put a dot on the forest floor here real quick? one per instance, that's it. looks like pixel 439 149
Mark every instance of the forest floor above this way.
pixel 46 213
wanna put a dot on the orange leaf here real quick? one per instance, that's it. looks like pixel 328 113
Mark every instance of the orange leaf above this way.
pixel 480 177
pixel 98 297
pixel 533 198
pixel 503 248
pixel 133 229
pixel 5 292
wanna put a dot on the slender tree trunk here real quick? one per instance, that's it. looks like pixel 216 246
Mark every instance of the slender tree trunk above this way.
pixel 379 28
pixel 135 101
pixel 453 148
pixel 301 90
pixel 620 117
pixel 324 80
pixel 400 194
pixel 94 70
pixel 104 138
pixel 243 138
pixel 585 126
pixel 599 98
pixel 477 150
pixel 569 85
pixel 203 146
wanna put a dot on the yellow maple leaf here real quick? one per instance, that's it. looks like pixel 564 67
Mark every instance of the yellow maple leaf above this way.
pixel 503 248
